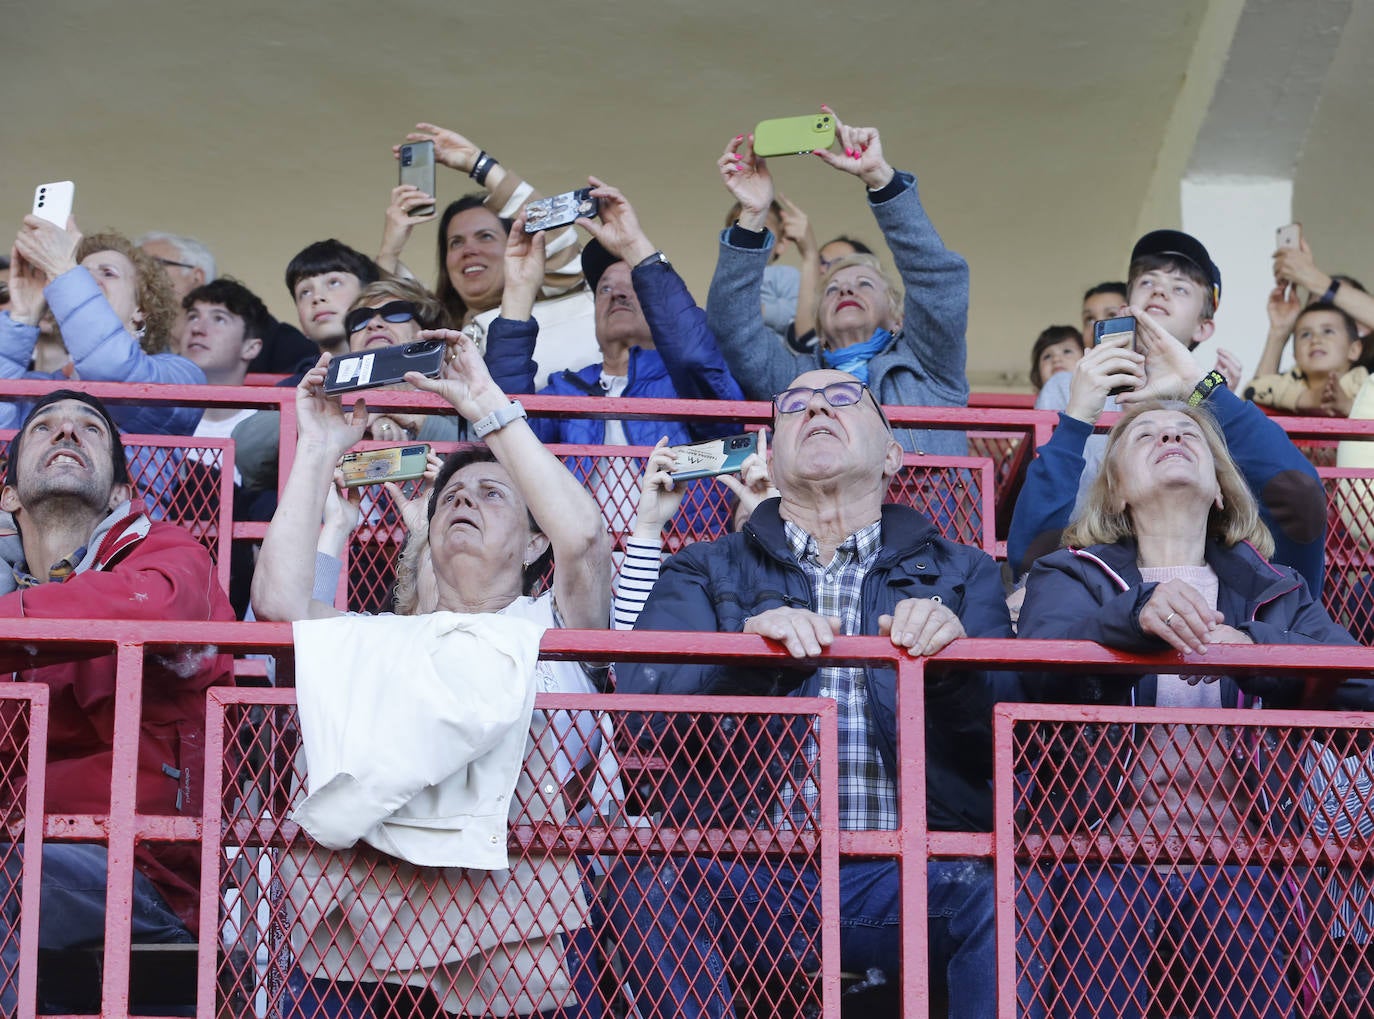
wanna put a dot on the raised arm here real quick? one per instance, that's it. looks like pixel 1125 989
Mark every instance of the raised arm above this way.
pixel 564 510
pixel 734 306
pixel 507 196
pixel 935 309
pixel 284 577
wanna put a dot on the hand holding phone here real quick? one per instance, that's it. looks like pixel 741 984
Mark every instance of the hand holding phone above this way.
pixel 417 169
pixel 1114 329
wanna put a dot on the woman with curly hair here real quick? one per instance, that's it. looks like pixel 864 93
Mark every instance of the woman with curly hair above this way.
pixel 115 308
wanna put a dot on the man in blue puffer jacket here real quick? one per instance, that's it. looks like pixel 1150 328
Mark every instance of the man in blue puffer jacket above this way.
pixel 654 339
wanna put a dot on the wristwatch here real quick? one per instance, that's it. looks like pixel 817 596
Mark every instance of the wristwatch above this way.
pixel 1207 385
pixel 657 258
pixel 498 419
pixel 1330 295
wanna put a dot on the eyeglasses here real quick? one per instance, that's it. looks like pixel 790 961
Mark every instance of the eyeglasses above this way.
pixel 172 262
pixel 837 394
pixel 393 311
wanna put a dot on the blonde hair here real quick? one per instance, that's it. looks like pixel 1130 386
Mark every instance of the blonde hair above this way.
pixel 1106 519
pixel 429 311
pixel 153 291
pixel 894 292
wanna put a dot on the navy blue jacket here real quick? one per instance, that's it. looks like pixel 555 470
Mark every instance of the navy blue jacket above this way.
pixel 686 363
pixel 719 585
pixel 1097 594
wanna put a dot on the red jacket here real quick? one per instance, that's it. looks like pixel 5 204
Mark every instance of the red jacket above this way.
pixel 142 571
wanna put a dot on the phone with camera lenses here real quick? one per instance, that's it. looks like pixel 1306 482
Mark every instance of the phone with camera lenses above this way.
pixel 1288 237
pixel 53 201
pixel 794 136
pixel 368 369
pixel 719 456
pixel 560 210
pixel 417 169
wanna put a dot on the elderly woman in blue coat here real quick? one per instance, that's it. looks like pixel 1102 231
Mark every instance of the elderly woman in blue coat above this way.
pixel 1170 553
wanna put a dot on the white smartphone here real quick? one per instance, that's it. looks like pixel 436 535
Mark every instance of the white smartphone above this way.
pixel 53 201
pixel 1289 236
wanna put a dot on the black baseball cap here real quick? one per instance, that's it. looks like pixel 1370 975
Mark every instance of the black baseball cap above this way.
pixel 595 261
pixel 1178 244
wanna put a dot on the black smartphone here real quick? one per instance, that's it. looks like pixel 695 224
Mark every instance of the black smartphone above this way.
pixel 417 168
pixel 560 210
pixel 1111 329
pixel 369 369
pixel 718 456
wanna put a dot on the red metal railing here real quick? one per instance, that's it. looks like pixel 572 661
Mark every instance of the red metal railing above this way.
pixel 1032 830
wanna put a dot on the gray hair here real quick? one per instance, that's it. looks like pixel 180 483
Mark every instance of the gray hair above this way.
pixel 191 250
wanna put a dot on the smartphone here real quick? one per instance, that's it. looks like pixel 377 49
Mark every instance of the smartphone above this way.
pixel 1289 236
pixel 417 168
pixel 560 210
pixel 372 368
pixel 53 201
pixel 719 456
pixel 375 466
pixel 1110 329
pixel 794 136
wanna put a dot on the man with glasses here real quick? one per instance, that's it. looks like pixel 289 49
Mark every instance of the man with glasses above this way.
pixel 190 264
pixel 826 558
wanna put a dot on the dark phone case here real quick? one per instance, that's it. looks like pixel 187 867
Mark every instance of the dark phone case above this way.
pixel 369 369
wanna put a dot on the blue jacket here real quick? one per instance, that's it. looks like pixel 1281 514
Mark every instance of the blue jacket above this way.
pixel 1097 594
pixel 925 364
pixel 685 364
pixel 717 586
pixel 103 351
pixel 1292 501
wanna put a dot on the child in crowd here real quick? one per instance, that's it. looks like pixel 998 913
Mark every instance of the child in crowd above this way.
pixel 1326 376
pixel 1056 350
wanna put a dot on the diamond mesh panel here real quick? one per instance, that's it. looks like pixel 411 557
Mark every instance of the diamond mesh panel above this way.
pixel 15 713
pixel 1349 591
pixel 953 492
pixel 573 925
pixel 1164 868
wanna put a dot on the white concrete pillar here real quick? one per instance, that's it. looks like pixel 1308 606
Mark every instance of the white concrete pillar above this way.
pixel 1235 217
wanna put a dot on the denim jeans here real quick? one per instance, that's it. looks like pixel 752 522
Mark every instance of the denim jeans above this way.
pixel 72 910
pixel 684 925
pixel 1226 928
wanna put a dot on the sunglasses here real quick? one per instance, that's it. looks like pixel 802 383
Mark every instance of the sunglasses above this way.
pixel 393 311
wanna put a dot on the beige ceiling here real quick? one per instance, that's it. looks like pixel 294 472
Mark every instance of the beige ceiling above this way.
pixel 1032 124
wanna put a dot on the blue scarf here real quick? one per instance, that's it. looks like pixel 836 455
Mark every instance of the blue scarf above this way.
pixel 854 358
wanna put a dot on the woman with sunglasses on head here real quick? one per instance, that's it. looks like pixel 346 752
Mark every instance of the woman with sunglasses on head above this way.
pixel 391 312
pixel 909 350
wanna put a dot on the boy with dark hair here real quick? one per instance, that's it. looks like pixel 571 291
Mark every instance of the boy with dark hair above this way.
pixel 324 278
pixel 225 325
pixel 1101 302
pixel 1174 289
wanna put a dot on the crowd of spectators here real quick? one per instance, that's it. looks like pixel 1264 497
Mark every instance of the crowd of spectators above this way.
pixel 1195 522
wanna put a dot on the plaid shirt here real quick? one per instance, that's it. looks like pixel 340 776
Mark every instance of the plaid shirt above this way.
pixel 868 796
pixel 57 573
